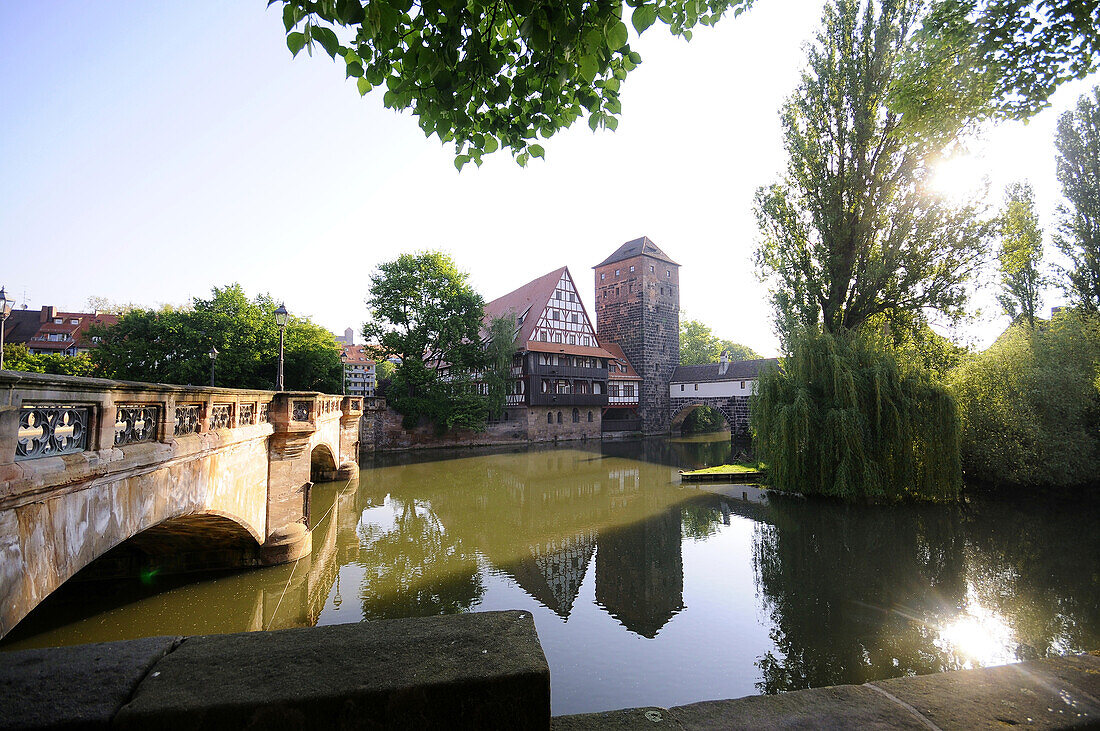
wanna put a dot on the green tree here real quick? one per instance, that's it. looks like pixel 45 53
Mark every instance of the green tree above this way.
pixel 492 74
pixel 18 358
pixel 1020 255
pixel 500 347
pixel 844 418
pixel 1030 405
pixel 424 310
pixel 173 346
pixel 851 232
pixel 978 59
pixel 1078 145
pixel 699 345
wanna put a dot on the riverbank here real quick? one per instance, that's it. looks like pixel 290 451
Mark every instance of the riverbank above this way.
pixel 482 670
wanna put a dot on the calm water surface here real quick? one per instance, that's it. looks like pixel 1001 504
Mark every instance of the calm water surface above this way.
pixel 645 592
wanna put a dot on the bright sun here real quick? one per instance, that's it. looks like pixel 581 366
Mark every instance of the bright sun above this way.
pixel 959 178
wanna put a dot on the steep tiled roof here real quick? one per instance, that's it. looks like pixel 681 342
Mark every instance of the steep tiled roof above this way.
pixel 538 346
pixel 708 373
pixel 637 247
pixel 630 374
pixel 21 326
pixel 528 302
pixel 357 355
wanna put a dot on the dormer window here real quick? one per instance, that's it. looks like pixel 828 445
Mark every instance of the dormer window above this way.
pixel 57 321
pixel 74 321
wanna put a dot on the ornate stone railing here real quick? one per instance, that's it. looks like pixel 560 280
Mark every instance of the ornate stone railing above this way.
pixel 135 423
pixel 221 416
pixel 48 430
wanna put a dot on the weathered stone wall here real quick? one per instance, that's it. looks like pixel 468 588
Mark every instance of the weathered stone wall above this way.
pixel 640 312
pixel 243 461
pixel 735 409
pixel 543 429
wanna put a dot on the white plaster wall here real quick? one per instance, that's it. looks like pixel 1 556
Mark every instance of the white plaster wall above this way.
pixel 721 389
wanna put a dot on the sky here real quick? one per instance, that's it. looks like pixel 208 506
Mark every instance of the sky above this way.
pixel 152 152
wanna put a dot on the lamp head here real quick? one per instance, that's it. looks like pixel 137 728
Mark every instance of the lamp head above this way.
pixel 5 303
pixel 281 315
pixel 213 352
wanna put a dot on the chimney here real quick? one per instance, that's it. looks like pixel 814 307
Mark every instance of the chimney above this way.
pixel 49 312
pixel 723 363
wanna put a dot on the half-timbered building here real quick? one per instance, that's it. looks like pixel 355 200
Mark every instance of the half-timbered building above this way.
pixel 559 371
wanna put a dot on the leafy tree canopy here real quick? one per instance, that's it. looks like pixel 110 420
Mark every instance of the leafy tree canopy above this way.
pixel 173 346
pixel 851 232
pixel 18 358
pixel 1078 143
pixel 976 59
pixel 1030 405
pixel 699 345
pixel 1021 255
pixel 488 74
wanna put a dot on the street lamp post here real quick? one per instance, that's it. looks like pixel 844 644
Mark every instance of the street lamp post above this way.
pixel 5 310
pixel 280 319
pixel 213 357
pixel 344 373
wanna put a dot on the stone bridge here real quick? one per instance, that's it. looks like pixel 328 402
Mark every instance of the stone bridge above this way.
pixel 735 409
pixel 153 477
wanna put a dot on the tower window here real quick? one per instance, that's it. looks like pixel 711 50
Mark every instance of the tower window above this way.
pixel 650 268
pixel 559 417
pixel 632 268
pixel 589 416
pixel 668 273
pixel 604 275
pixel 616 272
pixel 681 387
pixel 549 417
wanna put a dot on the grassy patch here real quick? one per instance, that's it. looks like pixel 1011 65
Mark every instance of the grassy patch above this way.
pixel 737 468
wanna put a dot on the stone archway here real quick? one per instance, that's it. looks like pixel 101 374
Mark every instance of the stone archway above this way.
pixel 322 464
pixel 682 411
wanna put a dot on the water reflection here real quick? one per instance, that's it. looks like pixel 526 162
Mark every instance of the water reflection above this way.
pixel 629 575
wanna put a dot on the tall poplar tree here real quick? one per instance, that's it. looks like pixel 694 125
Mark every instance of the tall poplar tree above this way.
pixel 1078 143
pixel 1021 254
pixel 851 231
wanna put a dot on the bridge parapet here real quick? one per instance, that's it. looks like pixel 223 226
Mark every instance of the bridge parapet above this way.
pixel 86 464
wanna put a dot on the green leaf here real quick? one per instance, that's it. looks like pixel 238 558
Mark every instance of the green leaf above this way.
pixel 289 17
pixel 355 69
pixel 364 86
pixel 328 40
pixel 588 68
pixel 643 17
pixel 461 160
pixel 594 121
pixel 295 41
pixel 490 144
pixel 617 35
pixel 536 151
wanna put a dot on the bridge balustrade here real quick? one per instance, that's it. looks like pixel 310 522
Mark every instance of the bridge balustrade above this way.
pixel 86 464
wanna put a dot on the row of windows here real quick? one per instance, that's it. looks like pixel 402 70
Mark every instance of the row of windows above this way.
pixel 626 389
pixel 567 296
pixel 576 417
pixel 546 337
pixel 571 387
pixel 697 386
pixel 546 359
pixel 618 272
pixel 607 290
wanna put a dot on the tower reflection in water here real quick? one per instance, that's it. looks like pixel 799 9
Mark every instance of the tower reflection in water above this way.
pixel 537 518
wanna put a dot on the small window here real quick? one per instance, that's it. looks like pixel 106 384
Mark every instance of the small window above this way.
pixel 631 268
pixel 57 321
pixel 696 386
pixel 559 417
pixel 681 387
pixel 651 269
pixel 590 417
pixel 616 272
pixel 597 387
pixel 602 277
pixel 557 295
pixel 74 321
pixel 549 418
pixel 742 385
pixel 557 337
pixel 576 416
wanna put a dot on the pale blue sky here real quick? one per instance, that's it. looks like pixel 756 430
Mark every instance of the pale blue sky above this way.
pixel 149 151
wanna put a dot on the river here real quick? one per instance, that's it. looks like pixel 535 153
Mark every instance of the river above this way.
pixel 646 592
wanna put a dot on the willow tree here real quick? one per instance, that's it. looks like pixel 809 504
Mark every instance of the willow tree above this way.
pixel 852 238
pixel 1021 254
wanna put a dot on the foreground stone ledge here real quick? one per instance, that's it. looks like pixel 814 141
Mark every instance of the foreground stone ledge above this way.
pixel 1055 693
pixel 484 670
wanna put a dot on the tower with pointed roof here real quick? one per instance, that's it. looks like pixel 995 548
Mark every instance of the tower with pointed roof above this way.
pixel 638 309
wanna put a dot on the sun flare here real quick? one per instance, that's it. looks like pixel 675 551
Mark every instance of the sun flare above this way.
pixel 959 178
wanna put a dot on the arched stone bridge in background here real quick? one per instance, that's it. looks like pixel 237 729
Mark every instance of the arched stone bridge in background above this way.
pixel 725 386
pixel 157 477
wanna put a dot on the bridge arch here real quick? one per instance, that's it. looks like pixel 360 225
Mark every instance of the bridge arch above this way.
pixel 322 463
pixel 682 411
